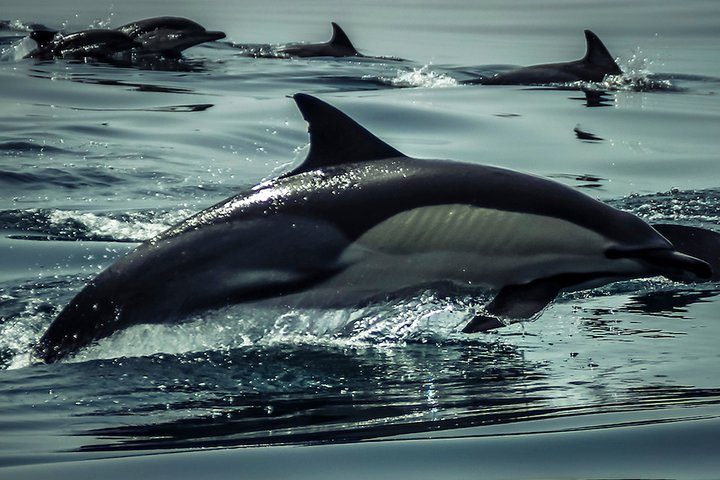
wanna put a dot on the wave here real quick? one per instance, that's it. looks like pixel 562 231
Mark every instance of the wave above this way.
pixel 89 226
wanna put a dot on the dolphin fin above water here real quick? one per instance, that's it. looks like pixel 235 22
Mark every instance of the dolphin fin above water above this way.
pixel 339 38
pixel 337 139
pixel 598 56
pixel 339 45
pixel 593 67
pixel 358 221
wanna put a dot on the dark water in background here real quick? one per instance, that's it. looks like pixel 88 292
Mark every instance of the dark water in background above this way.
pixel 108 155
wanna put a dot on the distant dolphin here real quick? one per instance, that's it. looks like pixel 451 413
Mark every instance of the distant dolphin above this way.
pixel 593 67
pixel 339 45
pixel 358 220
pixel 96 43
pixel 169 36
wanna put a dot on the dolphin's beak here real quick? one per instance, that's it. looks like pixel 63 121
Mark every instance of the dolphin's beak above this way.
pixel 213 35
pixel 681 261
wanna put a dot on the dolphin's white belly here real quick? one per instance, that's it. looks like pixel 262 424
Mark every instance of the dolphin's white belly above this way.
pixel 473 246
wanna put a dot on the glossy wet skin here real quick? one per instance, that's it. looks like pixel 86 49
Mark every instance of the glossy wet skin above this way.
pixel 593 67
pixel 169 35
pixel 336 228
pixel 86 43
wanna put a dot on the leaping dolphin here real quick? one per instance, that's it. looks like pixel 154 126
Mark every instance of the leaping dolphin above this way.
pixel 593 67
pixel 95 43
pixel 168 36
pixel 358 219
pixel 339 45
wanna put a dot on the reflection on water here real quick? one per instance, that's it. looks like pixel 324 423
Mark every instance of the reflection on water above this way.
pixel 584 136
pixel 93 80
pixel 583 180
pixel 597 98
pixel 671 303
pixel 304 395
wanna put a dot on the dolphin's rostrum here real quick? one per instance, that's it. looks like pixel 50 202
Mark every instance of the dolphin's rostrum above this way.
pixel 359 220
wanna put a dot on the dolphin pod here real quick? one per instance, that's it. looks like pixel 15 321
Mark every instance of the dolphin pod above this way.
pixel 358 220
pixel 167 36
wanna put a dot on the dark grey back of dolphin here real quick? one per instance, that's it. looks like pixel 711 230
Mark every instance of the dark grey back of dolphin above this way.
pixel 96 43
pixel 593 67
pixel 140 27
pixel 301 232
pixel 339 45
pixel 169 35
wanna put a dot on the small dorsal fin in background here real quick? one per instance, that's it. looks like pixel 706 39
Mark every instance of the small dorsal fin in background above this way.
pixel 597 54
pixel 42 37
pixel 339 38
pixel 335 138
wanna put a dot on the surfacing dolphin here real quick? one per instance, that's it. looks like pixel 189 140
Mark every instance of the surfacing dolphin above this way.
pixel 95 43
pixel 339 45
pixel 359 220
pixel 593 67
pixel 168 36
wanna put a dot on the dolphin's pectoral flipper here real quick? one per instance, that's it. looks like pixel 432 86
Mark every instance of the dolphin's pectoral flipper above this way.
pixel 336 138
pixel 697 242
pixel 598 54
pixel 516 302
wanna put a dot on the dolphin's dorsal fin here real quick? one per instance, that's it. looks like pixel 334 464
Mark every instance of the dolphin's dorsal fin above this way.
pixel 335 138
pixel 339 38
pixel 42 37
pixel 597 54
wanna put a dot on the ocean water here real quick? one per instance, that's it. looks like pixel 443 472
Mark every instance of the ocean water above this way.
pixel 617 382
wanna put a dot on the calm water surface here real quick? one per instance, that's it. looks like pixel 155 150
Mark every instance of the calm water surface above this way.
pixel 617 382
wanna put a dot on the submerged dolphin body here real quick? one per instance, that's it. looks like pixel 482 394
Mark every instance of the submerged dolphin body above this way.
pixel 168 36
pixel 96 43
pixel 593 67
pixel 339 45
pixel 357 220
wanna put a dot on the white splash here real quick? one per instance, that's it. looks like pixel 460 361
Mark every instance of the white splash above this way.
pixel 424 318
pixel 132 227
pixel 420 77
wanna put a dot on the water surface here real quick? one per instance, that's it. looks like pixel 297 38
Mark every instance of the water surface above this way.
pixel 615 382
